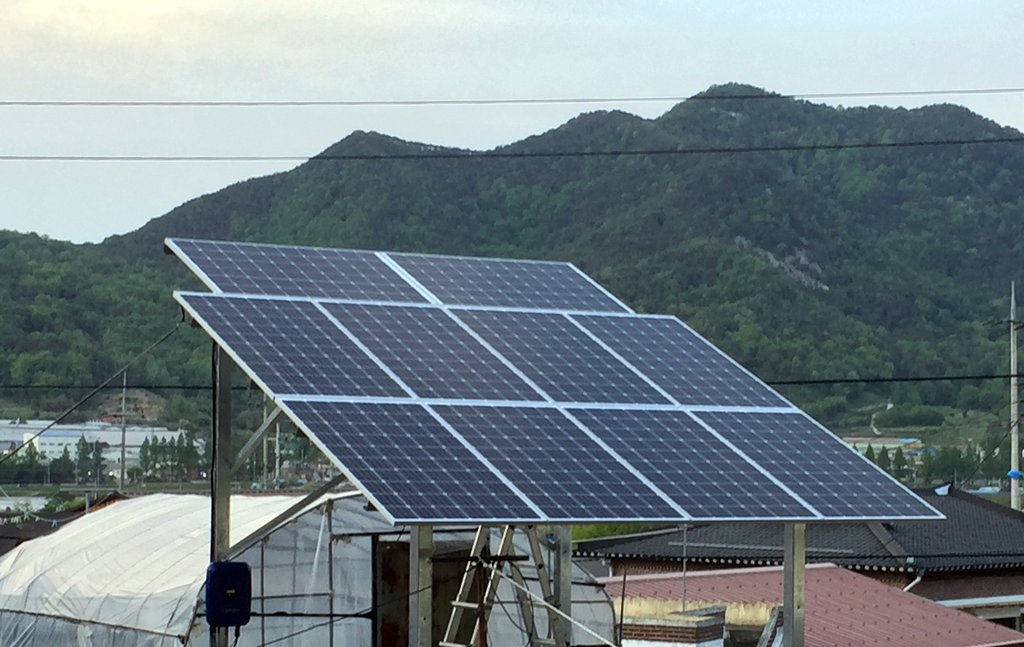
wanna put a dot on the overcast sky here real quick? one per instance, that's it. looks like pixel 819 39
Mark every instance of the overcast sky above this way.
pixel 199 50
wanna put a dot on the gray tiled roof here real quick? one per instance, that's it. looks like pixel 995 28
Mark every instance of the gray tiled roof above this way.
pixel 977 534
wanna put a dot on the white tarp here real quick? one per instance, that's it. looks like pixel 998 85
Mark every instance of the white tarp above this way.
pixel 128 574
pixel 131 574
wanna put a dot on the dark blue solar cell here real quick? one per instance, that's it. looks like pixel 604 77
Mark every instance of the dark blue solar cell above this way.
pixel 817 466
pixel 556 464
pixel 410 463
pixel 696 470
pixel 681 362
pixel 505 283
pixel 281 270
pixel 619 375
pixel 560 358
pixel 432 353
pixel 291 346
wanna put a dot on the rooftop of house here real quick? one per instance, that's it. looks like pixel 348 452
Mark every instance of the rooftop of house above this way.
pixel 843 609
pixel 976 535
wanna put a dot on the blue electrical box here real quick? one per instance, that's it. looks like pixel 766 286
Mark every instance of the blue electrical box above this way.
pixel 228 594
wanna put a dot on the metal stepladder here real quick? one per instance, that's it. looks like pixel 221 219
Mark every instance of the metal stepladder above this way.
pixel 485 571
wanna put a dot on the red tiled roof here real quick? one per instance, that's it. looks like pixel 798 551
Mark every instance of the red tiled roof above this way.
pixel 843 609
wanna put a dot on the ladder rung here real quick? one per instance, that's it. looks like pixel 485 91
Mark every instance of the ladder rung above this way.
pixel 447 644
pixel 462 604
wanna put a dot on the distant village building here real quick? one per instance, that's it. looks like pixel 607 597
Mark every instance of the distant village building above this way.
pixel 910 446
pixel 52 443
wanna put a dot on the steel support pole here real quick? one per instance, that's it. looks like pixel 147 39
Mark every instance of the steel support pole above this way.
pixel 421 593
pixel 1014 400
pixel 563 584
pixel 220 472
pixel 124 427
pixel 793 596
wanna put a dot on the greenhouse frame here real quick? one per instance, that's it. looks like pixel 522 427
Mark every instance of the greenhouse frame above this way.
pixel 335 572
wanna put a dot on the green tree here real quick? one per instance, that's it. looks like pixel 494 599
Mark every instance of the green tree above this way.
pixel 82 454
pixel 900 467
pixel 869 453
pixel 883 460
pixel 30 456
pixel 160 458
pixel 96 463
pixel 145 457
pixel 946 464
pixel 62 469
pixel 192 459
pixel 180 457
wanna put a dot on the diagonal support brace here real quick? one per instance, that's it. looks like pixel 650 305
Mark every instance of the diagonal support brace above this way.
pixel 254 440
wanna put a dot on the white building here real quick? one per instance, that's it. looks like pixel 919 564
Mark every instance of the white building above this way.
pixel 53 441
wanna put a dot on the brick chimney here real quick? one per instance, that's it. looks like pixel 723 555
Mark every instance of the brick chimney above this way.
pixel 697 628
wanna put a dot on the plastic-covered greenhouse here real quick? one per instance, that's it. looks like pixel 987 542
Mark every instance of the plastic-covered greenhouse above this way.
pixel 335 573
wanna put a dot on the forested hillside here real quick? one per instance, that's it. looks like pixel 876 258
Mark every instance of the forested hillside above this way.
pixel 803 264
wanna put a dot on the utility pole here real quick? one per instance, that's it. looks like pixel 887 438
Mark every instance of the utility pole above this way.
pixel 277 453
pixel 1014 396
pixel 266 471
pixel 124 424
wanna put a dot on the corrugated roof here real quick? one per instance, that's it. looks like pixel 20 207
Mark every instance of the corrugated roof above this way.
pixel 976 535
pixel 843 609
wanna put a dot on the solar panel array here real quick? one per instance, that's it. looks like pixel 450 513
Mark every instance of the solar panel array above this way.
pixel 453 389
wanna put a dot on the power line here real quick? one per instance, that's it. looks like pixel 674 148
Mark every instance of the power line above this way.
pixel 508 101
pixel 891 380
pixel 4 458
pixel 477 155
pixel 797 382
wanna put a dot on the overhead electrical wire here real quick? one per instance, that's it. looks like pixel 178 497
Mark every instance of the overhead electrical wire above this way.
pixel 507 101
pixel 466 155
pixel 796 382
pixel 892 380
pixel 81 401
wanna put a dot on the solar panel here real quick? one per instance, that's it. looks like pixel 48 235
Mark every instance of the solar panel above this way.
pixel 432 353
pixel 282 270
pixel 508 284
pixel 382 447
pixel 552 461
pixel 815 465
pixel 477 391
pixel 560 358
pixel 698 471
pixel 290 346
pixel 680 361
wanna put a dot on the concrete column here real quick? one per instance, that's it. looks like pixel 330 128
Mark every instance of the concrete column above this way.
pixel 421 594
pixel 563 584
pixel 220 472
pixel 793 597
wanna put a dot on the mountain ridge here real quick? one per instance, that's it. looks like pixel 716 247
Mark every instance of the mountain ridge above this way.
pixel 916 246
